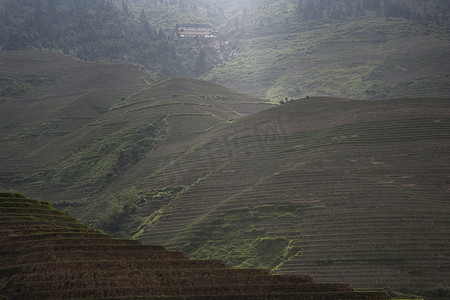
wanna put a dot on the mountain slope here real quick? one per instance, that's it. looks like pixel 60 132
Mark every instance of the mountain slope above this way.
pixel 365 58
pixel 45 96
pixel 344 189
pixel 81 126
pixel 358 49
pixel 339 188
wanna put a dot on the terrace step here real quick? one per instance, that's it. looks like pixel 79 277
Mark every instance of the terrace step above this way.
pixel 53 235
pixel 86 292
pixel 145 272
pixel 43 256
pixel 16 246
pixel 220 296
pixel 6 223
pixel 114 265
pixel 113 245
pixel 185 278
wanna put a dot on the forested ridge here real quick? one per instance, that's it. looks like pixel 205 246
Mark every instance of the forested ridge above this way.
pixel 89 30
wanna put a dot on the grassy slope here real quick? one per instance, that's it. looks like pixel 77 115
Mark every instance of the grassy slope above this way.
pixel 334 188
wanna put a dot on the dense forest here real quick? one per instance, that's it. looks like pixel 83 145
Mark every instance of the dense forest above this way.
pixel 89 30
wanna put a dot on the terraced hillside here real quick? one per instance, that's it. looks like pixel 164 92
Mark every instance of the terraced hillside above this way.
pixel 335 188
pixel 73 128
pixel 45 254
pixel 46 96
pixel 344 190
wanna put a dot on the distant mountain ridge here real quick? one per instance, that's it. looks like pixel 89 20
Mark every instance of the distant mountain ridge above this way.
pixel 273 49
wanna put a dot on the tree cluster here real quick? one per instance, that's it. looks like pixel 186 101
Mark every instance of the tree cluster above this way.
pixel 91 30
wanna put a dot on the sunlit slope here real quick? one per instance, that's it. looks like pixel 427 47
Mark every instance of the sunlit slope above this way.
pixel 334 188
pixel 77 129
pixel 364 58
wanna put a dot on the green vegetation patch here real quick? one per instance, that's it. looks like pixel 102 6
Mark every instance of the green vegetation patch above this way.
pixel 239 236
pixel 129 211
pixel 118 217
pixel 111 154
pixel 24 85
pixel 11 195
pixel 189 123
pixel 48 127
pixel 440 293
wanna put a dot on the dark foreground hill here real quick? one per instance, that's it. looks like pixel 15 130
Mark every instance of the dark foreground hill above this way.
pixel 45 254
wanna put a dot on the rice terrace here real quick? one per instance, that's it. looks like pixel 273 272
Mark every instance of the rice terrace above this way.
pixel 212 149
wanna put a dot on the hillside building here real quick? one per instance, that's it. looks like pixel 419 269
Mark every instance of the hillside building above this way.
pixel 193 31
